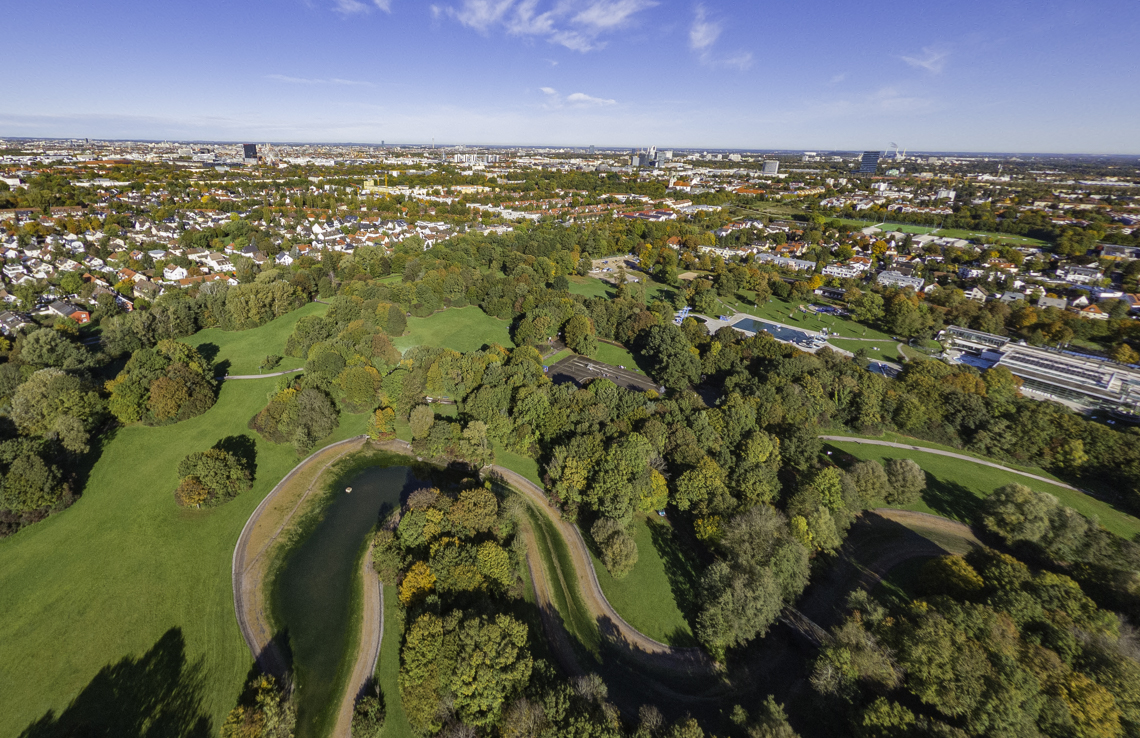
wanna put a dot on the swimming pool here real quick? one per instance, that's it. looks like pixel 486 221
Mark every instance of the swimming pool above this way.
pixel 778 332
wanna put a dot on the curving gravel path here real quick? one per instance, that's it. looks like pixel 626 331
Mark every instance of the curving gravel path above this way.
pixel 371 635
pixel 253 621
pixel 951 454
pixel 249 604
pixel 259 376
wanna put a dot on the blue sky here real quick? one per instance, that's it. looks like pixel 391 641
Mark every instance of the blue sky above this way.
pixel 999 75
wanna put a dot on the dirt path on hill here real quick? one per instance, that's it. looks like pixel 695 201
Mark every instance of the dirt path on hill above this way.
pixel 371 635
pixel 951 454
pixel 614 628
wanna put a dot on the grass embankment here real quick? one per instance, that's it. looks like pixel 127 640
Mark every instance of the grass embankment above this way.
pixel 648 596
pixel 788 313
pixel 125 570
pixel 560 572
pixel 893 437
pixel 246 350
pixel 955 488
pixel 387 675
pixel 460 329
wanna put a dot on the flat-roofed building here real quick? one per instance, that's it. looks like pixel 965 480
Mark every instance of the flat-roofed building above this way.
pixel 1076 379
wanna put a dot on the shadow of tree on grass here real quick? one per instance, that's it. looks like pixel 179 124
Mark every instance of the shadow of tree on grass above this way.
pixel 951 499
pixel 156 694
pixel 683 578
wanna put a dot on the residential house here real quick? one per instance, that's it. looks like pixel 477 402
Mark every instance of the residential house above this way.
pixel 897 279
pixel 11 322
pixel 1052 302
pixel 1079 274
pixel 173 273
pixel 1092 312
pixel 842 271
pixel 67 310
pixel 977 294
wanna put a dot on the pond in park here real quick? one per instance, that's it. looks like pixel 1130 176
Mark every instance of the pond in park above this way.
pixel 316 594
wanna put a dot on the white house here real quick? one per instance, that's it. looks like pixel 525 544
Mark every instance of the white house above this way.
pixel 173 272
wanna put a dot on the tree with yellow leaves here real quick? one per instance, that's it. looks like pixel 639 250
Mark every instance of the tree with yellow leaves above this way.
pixel 417 583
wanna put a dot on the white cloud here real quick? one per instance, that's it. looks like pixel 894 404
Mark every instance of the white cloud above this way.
pixel 561 23
pixel 703 35
pixel 838 78
pixel 583 100
pixel 312 81
pixel 355 7
pixel 481 14
pixel 555 101
pixel 607 15
pixel 932 60
pixel 704 32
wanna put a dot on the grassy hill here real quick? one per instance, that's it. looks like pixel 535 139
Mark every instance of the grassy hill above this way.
pixel 126 579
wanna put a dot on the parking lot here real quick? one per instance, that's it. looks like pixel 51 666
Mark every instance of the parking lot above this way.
pixel 607 269
pixel 579 370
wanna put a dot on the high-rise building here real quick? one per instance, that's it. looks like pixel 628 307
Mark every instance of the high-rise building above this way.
pixel 250 153
pixel 771 168
pixel 869 163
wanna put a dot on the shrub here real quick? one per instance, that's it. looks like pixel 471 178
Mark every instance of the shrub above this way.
pixel 213 476
pixel 907 481
pixel 617 547
pixel 368 717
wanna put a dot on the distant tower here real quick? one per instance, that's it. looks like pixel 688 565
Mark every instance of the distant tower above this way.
pixel 250 153
pixel 869 163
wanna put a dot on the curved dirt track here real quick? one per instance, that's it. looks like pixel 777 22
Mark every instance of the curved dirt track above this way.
pixel 247 575
pixel 950 454
pixel 614 626
pixel 371 635
pixel 253 621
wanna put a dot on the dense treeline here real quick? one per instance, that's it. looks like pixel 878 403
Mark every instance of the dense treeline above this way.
pixel 992 647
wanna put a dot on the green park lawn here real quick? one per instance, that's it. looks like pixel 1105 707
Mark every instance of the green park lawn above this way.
pixel 99 585
pixel 955 488
pixel 460 329
pixel 650 597
pixel 779 310
pixel 246 350
pixel 616 356
pixel 591 287
pixel 946 232
pixel 888 350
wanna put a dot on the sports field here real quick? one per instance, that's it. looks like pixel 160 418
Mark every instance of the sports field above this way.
pixel 460 329
pixel 941 232
pixel 955 488
pixel 125 569
pixel 242 352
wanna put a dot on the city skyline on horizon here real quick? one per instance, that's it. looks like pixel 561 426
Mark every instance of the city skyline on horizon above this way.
pixel 723 75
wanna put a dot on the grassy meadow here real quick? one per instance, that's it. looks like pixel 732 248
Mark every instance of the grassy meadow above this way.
pixel 460 329
pixel 955 488
pixel 125 580
pixel 246 350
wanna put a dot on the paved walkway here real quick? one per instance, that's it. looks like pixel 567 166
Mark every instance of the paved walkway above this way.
pixel 951 454
pixel 259 376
